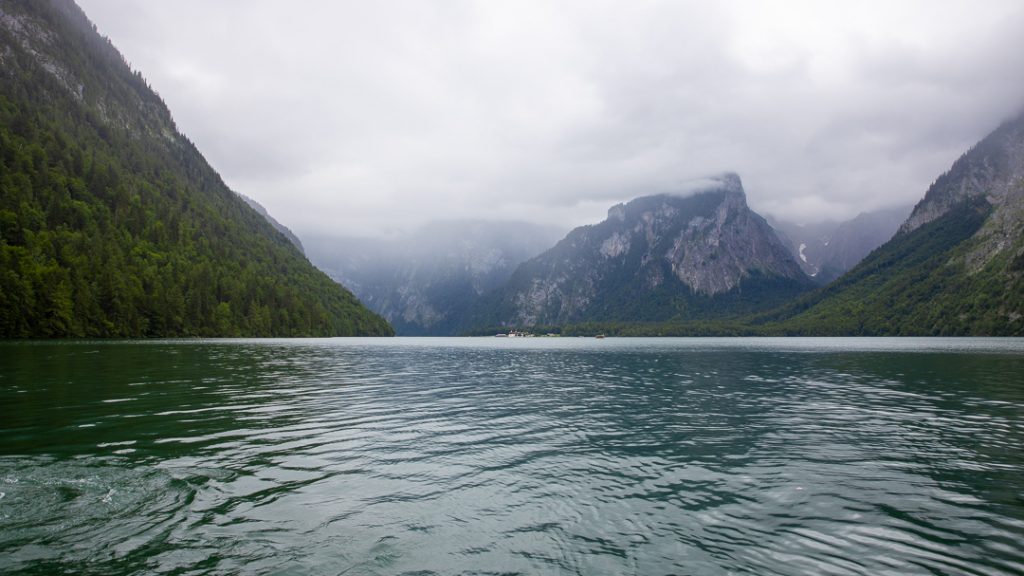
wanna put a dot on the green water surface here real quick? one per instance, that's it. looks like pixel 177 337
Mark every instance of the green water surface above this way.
pixel 513 456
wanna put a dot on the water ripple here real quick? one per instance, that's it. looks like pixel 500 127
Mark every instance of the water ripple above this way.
pixel 479 457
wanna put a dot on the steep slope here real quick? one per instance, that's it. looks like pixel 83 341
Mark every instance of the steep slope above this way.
pixel 273 222
pixel 955 267
pixel 826 250
pixel 656 258
pixel 426 282
pixel 111 222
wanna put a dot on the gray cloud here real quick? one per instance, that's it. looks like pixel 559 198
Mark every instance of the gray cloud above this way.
pixel 366 117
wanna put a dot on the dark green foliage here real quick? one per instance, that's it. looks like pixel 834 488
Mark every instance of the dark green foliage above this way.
pixel 113 225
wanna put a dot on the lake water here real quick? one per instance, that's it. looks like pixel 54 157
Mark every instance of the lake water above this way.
pixel 513 456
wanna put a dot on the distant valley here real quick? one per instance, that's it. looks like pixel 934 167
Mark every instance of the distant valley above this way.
pixel 825 250
pixel 426 282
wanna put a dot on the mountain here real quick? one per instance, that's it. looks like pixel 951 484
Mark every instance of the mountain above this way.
pixel 273 222
pixel 955 267
pixel 657 258
pixel 112 224
pixel 825 250
pixel 426 282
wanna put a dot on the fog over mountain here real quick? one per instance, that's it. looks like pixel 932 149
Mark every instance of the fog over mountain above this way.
pixel 824 250
pixel 426 281
pixel 371 118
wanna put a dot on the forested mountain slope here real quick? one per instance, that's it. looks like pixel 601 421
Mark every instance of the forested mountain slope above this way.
pixel 956 267
pixel 111 222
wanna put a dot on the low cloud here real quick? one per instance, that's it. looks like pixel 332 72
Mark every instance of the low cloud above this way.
pixel 371 117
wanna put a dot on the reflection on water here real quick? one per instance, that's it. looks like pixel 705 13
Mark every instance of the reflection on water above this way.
pixel 578 456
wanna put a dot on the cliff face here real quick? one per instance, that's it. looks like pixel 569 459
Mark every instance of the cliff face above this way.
pixel 657 258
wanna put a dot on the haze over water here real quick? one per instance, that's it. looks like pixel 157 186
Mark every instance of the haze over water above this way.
pixel 513 456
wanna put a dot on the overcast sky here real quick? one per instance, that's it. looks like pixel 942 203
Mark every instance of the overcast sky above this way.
pixel 360 117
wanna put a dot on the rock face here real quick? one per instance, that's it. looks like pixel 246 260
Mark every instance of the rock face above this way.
pixel 426 282
pixel 826 250
pixel 656 258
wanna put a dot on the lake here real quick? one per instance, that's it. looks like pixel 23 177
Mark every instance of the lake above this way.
pixel 513 456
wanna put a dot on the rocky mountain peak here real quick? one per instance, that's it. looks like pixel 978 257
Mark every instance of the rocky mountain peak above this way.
pixel 703 243
pixel 729 182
